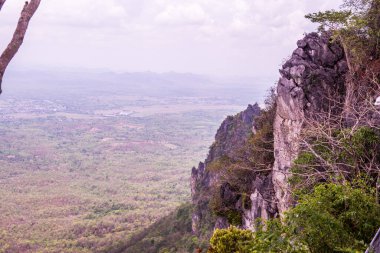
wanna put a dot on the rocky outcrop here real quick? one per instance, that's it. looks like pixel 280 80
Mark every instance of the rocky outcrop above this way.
pixel 230 138
pixel 233 133
pixel 263 205
pixel 312 80
pixel 375 244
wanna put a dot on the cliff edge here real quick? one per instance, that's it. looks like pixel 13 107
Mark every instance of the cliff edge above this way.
pixel 309 79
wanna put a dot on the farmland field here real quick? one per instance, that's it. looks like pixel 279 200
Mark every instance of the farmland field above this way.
pixel 84 174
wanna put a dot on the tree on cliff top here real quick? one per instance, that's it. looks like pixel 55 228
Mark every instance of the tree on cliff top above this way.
pixel 18 36
pixel 356 26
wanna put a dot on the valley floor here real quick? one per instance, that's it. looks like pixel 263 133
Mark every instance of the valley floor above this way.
pixel 84 176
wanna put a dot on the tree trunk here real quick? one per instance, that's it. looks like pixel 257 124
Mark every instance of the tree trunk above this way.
pixel 1 3
pixel 18 36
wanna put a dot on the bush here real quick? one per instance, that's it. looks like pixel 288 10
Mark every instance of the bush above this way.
pixel 333 218
pixel 232 240
pixel 269 238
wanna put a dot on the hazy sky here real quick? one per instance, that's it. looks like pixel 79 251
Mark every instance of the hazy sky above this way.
pixel 218 37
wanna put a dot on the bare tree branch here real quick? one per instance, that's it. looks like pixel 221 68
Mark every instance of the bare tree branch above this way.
pixel 326 135
pixel 2 3
pixel 18 36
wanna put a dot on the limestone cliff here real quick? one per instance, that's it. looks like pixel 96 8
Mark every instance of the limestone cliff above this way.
pixel 315 71
pixel 230 138
pixel 309 80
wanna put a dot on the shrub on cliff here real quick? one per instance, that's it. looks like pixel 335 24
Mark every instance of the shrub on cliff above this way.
pixel 268 238
pixel 259 150
pixel 230 240
pixel 343 155
pixel 333 218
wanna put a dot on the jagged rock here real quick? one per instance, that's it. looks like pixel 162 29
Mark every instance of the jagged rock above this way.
pixel 230 138
pixel 262 200
pixel 233 133
pixel 221 222
pixel 313 75
pixel 375 244
pixel 229 196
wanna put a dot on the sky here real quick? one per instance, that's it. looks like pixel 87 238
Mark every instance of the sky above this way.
pixel 212 37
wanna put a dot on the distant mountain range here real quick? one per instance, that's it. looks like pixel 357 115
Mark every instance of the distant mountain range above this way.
pixel 32 83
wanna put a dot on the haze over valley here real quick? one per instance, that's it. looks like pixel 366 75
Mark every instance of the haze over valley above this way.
pixel 88 159
pixel 192 126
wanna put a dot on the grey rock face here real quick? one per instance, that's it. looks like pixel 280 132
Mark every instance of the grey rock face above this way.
pixel 308 84
pixel 233 133
pixel 230 138
pixel 263 203
pixel 310 81
pixel 375 244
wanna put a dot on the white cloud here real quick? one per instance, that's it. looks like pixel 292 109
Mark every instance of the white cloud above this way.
pixel 83 12
pixel 247 37
pixel 183 14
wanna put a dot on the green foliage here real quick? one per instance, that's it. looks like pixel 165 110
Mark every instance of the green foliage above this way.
pixel 362 147
pixel 234 217
pixel 86 183
pixel 258 153
pixel 219 164
pixel 335 218
pixel 170 234
pixel 331 18
pixel 256 157
pixel 271 237
pixel 221 207
pixel 356 26
pixel 305 165
pixel 232 240
pixel 333 179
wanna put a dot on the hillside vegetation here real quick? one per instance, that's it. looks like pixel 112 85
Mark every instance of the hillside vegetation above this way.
pixel 301 174
pixel 335 179
pixel 85 175
pixel 328 91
